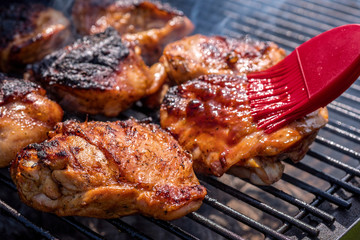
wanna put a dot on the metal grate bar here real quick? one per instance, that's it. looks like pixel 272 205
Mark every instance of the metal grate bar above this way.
pixel 344 109
pixel 316 202
pixel 274 29
pixel 355 87
pixel 347 107
pixel 298 183
pixel 331 190
pixel 325 177
pixel 261 34
pixel 285 24
pixel 214 226
pixel 263 18
pixel 338 147
pixel 123 226
pixel 262 206
pixel 325 11
pixel 82 228
pixel 342 133
pixel 28 224
pixel 267 7
pixel 240 217
pixel 173 229
pixel 346 127
pixel 308 14
pixel 351 97
pixel 337 6
pixel 297 202
pixel 335 163
pixel 7 182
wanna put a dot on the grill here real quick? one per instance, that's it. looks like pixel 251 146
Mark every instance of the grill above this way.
pixel 317 198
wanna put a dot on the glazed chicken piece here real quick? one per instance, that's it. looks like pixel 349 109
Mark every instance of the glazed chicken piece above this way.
pixel 28 32
pixel 210 117
pixel 147 24
pixel 198 55
pixel 97 75
pixel 26 115
pixel 108 170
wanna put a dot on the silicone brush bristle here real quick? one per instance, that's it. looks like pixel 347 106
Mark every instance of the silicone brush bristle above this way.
pixel 274 92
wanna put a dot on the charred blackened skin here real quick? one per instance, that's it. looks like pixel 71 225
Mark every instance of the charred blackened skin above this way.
pixel 97 56
pixel 12 88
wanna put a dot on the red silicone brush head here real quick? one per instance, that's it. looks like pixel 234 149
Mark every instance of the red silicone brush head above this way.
pixel 312 76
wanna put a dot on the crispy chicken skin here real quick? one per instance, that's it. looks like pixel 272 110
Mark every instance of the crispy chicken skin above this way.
pixel 97 74
pixel 198 55
pixel 107 170
pixel 147 24
pixel 210 117
pixel 28 32
pixel 26 115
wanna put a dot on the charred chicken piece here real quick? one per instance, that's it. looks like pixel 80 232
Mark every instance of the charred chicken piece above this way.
pixel 28 32
pixel 97 74
pixel 210 117
pixel 107 170
pixel 147 24
pixel 198 55
pixel 26 115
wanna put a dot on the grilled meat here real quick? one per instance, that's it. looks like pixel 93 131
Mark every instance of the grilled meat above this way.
pixel 97 75
pixel 198 55
pixel 150 25
pixel 26 115
pixel 107 170
pixel 210 117
pixel 28 32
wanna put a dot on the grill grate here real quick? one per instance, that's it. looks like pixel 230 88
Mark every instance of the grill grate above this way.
pixel 318 197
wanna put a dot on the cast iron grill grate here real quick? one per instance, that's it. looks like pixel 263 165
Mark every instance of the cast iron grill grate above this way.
pixel 316 198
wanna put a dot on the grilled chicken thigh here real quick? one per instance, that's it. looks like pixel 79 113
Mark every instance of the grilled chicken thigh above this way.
pixel 210 117
pixel 107 170
pixel 28 32
pixel 26 115
pixel 198 55
pixel 97 74
pixel 149 25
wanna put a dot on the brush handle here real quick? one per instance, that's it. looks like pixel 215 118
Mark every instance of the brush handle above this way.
pixel 312 76
pixel 330 62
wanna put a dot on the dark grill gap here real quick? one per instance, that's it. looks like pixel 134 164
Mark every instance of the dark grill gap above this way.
pixel 288 23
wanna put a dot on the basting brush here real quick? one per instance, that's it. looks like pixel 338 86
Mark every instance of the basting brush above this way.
pixel 313 75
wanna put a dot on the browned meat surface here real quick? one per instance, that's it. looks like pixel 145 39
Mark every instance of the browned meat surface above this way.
pixel 28 32
pixel 148 24
pixel 210 117
pixel 26 115
pixel 198 55
pixel 107 170
pixel 97 75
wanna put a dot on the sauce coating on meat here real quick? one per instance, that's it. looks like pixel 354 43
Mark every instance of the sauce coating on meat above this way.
pixel 210 117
